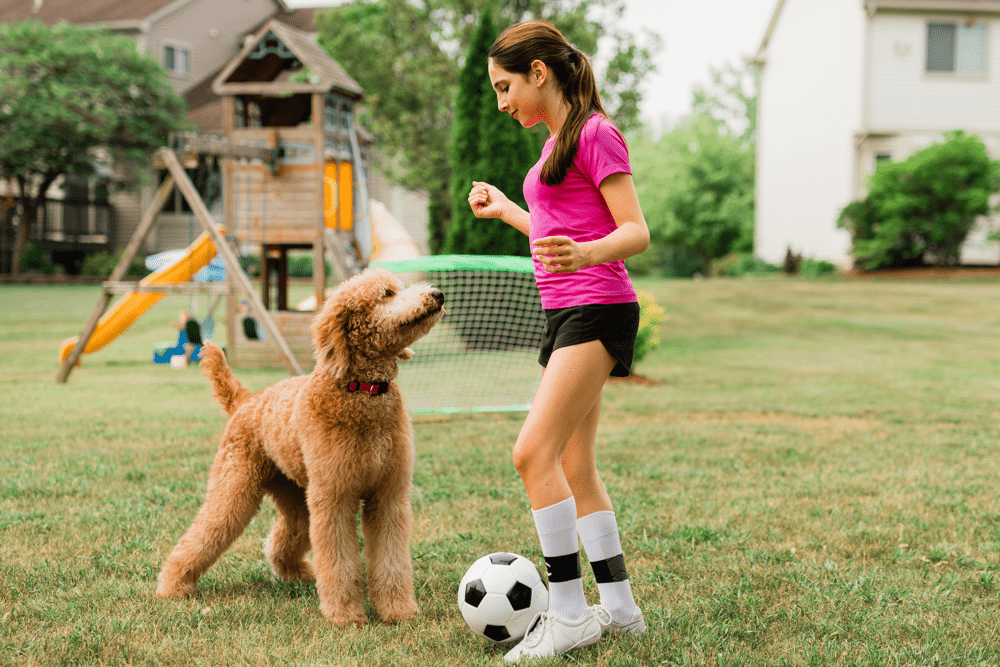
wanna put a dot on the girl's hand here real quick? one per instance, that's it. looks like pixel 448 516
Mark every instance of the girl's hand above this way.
pixel 561 254
pixel 486 201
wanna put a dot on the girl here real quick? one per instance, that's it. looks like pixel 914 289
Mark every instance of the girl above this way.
pixel 585 219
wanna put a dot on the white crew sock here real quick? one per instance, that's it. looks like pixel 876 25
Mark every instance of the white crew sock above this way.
pixel 599 534
pixel 556 526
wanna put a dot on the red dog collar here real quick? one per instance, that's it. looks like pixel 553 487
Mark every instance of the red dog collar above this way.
pixel 372 388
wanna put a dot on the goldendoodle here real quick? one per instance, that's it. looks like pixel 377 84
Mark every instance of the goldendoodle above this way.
pixel 322 445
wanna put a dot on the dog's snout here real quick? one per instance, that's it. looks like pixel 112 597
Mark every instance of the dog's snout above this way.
pixel 438 296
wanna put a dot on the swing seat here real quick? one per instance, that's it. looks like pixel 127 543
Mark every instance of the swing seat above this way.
pixel 252 329
pixel 193 331
pixel 163 351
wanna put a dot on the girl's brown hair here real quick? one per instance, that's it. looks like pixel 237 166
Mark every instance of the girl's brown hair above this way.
pixel 523 43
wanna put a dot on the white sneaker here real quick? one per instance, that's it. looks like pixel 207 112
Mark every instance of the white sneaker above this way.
pixel 550 635
pixel 635 625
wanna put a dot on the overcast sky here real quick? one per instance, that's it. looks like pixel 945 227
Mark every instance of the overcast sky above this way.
pixel 696 35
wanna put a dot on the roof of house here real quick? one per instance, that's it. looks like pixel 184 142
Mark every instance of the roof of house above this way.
pixel 120 12
pixel 263 78
pixel 974 6
pixel 303 18
pixel 959 6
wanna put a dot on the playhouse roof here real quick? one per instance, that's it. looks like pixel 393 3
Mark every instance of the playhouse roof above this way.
pixel 118 14
pixel 262 66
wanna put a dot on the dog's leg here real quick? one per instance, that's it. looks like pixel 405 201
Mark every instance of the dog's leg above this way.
pixel 233 497
pixel 288 542
pixel 386 519
pixel 336 558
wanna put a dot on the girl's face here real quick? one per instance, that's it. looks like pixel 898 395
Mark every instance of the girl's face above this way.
pixel 518 94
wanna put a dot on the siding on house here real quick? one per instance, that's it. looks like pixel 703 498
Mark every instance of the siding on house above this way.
pixel 902 95
pixel 192 27
pixel 810 109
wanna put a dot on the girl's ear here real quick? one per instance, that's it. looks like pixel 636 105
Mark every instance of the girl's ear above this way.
pixel 538 72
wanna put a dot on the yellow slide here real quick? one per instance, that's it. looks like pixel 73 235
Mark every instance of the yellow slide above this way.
pixel 128 308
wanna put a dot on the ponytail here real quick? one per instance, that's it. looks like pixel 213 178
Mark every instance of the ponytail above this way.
pixel 523 43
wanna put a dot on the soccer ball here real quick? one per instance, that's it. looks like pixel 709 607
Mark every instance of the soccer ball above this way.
pixel 499 596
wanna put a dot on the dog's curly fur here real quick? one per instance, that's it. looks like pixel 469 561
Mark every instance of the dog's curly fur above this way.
pixel 321 451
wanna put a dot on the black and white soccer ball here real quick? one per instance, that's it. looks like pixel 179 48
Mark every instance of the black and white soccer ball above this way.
pixel 499 596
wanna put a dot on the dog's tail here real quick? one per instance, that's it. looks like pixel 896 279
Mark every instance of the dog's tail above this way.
pixel 227 389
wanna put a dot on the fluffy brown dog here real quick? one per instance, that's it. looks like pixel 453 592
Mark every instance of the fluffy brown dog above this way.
pixel 321 445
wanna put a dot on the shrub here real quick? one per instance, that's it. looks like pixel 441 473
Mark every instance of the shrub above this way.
pixel 920 210
pixel 34 259
pixel 101 264
pixel 740 264
pixel 300 265
pixel 648 337
pixel 813 268
pixel 665 261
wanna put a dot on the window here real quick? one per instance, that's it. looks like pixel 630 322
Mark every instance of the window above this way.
pixel 958 48
pixel 176 60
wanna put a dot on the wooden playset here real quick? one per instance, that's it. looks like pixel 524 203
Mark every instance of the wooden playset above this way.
pixel 293 178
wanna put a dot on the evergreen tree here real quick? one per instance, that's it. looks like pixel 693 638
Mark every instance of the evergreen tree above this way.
pixel 486 146
pixel 473 89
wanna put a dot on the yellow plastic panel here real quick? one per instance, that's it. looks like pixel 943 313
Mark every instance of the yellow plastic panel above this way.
pixel 346 195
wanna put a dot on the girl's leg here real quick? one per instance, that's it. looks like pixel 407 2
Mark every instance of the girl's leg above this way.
pixel 570 387
pixel 598 527
pixel 568 391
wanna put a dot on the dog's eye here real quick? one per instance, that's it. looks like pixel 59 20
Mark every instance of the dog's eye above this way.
pixel 388 294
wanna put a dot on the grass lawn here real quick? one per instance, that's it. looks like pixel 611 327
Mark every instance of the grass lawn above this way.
pixel 814 482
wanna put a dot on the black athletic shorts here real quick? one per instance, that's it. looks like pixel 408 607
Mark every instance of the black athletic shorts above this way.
pixel 615 325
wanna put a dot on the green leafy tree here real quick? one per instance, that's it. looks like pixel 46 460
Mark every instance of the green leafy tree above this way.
pixel 696 187
pixel 920 210
pixel 72 96
pixel 407 55
pixel 486 146
pixel 731 100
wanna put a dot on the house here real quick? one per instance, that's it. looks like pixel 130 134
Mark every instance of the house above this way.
pixel 193 40
pixel 846 84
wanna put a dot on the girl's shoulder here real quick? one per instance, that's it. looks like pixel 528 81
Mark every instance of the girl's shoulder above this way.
pixel 599 128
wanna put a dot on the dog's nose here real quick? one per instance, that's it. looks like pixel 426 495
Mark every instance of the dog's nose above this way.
pixel 438 296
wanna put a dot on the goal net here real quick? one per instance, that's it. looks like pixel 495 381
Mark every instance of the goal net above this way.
pixel 483 354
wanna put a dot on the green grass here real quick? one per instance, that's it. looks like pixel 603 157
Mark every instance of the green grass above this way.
pixel 815 482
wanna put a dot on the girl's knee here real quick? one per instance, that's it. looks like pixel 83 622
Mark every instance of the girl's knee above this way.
pixel 523 458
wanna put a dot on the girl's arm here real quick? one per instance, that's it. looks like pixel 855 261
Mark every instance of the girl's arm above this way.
pixel 561 254
pixel 488 202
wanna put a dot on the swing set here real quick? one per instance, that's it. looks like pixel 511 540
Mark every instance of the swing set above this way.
pixel 293 178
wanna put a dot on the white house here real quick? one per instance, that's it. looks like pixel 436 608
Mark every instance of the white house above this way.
pixel 847 83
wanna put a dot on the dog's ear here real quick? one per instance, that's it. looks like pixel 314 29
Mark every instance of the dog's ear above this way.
pixel 329 338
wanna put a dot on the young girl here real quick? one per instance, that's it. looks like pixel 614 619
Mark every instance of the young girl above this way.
pixel 585 219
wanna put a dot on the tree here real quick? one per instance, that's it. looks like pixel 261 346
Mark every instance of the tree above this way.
pixel 731 100
pixel 921 209
pixel 69 97
pixel 407 54
pixel 696 187
pixel 390 47
pixel 486 146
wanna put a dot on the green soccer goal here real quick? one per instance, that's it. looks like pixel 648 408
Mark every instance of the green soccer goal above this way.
pixel 483 355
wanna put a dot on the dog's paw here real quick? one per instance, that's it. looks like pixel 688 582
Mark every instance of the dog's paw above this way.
pixel 303 571
pixel 176 590
pixel 406 354
pixel 402 612
pixel 344 616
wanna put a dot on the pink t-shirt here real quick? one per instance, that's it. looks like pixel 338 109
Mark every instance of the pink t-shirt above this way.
pixel 576 208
